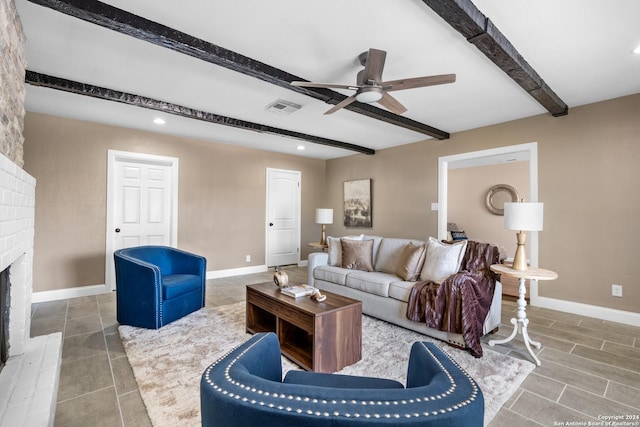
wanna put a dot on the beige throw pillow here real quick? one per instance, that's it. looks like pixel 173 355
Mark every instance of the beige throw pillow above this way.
pixel 357 254
pixel 411 261
pixel 442 260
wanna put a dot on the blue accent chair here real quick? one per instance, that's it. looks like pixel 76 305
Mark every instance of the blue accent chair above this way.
pixel 245 388
pixel 157 285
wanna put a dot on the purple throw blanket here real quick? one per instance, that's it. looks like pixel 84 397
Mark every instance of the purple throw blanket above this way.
pixel 461 303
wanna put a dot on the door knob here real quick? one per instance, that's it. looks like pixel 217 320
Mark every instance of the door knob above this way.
pixel 270 224
pixel 117 230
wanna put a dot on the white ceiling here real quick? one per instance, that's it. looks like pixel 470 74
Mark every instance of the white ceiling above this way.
pixel 581 48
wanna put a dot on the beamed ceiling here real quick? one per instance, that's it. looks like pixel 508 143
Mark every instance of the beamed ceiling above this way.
pixel 210 69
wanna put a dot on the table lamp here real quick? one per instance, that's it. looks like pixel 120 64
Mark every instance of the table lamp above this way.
pixel 324 217
pixel 522 217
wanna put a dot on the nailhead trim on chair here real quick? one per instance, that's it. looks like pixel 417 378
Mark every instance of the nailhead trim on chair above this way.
pixel 451 408
pixel 158 296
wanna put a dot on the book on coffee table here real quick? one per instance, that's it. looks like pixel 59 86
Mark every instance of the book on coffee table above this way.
pixel 298 291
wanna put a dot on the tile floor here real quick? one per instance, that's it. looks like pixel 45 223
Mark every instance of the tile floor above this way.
pixel 590 368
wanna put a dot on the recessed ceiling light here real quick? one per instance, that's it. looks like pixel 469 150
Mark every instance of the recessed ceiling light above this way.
pixel 159 121
pixel 300 147
pixel 637 50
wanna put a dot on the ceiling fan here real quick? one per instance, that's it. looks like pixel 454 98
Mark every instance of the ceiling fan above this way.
pixel 370 88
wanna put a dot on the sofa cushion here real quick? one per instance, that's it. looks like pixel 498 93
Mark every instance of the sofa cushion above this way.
pixel 400 290
pixel 390 252
pixel 411 262
pixel 442 260
pixel 371 282
pixel 357 254
pixel 330 273
pixel 335 249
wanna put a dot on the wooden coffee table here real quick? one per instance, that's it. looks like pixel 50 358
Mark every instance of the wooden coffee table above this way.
pixel 319 336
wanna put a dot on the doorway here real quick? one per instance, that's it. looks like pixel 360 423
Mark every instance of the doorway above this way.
pixel 521 152
pixel 142 204
pixel 283 217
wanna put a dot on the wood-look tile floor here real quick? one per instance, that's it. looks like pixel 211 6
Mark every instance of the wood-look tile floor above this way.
pixel 590 368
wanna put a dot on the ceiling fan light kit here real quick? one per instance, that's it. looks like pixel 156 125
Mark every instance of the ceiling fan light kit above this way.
pixel 370 87
pixel 369 94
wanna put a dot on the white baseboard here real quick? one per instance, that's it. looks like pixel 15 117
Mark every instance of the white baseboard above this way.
pixel 216 274
pixel 604 313
pixel 83 291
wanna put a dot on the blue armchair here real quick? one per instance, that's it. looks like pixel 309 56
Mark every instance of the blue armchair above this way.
pixel 245 388
pixel 157 285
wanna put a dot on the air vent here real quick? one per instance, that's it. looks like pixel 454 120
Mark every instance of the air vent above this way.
pixel 281 106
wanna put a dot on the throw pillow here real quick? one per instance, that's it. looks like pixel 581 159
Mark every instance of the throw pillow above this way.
pixel 458 235
pixel 442 260
pixel 335 249
pixel 411 261
pixel 357 254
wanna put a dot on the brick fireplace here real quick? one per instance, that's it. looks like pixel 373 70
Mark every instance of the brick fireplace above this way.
pixel 29 379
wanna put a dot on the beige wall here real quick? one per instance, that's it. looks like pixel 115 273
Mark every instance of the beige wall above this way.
pixel 588 177
pixel 588 174
pixel 467 189
pixel 222 192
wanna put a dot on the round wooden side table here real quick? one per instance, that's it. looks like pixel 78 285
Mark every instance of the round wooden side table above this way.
pixel 318 245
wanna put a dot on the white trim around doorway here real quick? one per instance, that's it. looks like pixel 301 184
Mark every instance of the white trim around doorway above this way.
pixel 528 151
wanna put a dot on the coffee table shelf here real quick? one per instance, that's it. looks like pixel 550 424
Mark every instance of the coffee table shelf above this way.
pixel 261 321
pixel 319 336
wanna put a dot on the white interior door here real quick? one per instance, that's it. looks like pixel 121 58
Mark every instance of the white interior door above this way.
pixel 283 217
pixel 142 203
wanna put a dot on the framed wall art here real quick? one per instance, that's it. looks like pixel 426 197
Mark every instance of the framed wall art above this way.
pixel 357 203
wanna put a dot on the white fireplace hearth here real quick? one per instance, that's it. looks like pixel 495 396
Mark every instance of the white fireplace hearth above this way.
pixel 29 379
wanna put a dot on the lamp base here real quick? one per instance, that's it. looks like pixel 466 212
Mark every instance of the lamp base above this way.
pixel 323 238
pixel 520 258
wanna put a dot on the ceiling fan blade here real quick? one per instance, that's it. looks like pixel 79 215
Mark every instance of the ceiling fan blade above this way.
pixel 373 66
pixel 418 82
pixel 341 104
pixel 392 104
pixel 324 85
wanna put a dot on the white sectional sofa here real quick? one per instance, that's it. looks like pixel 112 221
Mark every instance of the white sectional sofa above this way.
pixel 383 293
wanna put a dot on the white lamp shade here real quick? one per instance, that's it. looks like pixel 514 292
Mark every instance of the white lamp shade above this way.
pixel 523 216
pixel 324 216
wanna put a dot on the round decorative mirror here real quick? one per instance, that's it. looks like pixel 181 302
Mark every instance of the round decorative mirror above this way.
pixel 498 195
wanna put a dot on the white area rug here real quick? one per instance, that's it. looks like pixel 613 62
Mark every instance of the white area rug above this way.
pixel 169 362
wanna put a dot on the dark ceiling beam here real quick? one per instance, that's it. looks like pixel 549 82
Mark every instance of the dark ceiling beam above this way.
pixel 136 26
pixel 43 80
pixel 465 17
